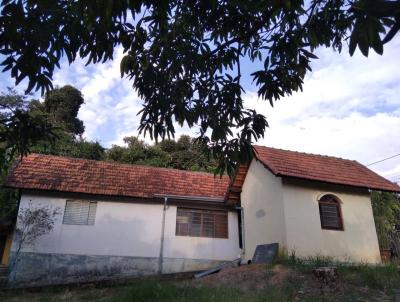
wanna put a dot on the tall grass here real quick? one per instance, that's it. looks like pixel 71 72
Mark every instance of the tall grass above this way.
pixel 382 277
pixel 168 292
pixel 305 263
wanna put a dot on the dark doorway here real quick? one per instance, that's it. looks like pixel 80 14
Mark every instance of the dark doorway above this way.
pixel 3 239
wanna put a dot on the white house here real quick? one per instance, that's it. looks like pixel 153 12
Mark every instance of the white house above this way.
pixel 120 220
pixel 310 204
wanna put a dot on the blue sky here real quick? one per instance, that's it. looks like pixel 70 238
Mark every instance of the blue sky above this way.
pixel 349 107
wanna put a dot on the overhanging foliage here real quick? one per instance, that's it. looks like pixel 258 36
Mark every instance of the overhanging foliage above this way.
pixel 184 57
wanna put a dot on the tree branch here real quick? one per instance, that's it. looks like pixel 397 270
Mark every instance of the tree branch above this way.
pixel 379 8
pixel 238 62
pixel 255 29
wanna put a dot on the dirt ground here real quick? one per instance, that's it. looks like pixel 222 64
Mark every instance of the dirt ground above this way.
pixel 249 283
pixel 302 284
pixel 246 277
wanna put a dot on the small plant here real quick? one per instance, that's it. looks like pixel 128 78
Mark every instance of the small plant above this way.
pixel 320 260
pixel 284 257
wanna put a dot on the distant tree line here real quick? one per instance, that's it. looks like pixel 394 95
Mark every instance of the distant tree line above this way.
pixel 59 112
pixel 52 126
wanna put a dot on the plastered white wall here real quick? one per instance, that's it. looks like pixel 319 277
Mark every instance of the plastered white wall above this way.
pixel 128 229
pixel 357 242
pixel 287 212
pixel 262 200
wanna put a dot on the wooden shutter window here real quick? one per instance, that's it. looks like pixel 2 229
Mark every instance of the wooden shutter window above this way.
pixel 80 212
pixel 330 213
pixel 201 223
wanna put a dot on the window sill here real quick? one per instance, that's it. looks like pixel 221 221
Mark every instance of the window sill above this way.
pixel 187 236
pixel 332 229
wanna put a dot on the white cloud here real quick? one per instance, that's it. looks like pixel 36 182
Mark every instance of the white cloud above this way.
pixel 111 104
pixel 349 108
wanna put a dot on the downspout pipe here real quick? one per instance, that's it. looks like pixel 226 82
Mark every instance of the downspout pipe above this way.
pixel 242 231
pixel 161 256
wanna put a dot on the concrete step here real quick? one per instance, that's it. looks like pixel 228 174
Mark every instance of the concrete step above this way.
pixel 3 271
pixel 3 282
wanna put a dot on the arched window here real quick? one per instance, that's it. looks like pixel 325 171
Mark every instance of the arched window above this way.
pixel 330 212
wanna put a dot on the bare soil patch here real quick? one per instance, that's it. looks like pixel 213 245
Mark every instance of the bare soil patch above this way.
pixel 297 284
pixel 247 277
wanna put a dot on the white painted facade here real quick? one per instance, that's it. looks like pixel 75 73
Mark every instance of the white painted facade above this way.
pixel 125 239
pixel 129 229
pixel 262 202
pixel 287 212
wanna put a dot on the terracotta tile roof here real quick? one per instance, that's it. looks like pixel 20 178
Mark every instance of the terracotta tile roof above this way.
pixel 322 168
pixel 63 174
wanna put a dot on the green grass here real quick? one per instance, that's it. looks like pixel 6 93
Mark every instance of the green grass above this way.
pixel 386 277
pixel 381 277
pixel 150 291
pixel 368 283
pixel 290 259
pixel 153 292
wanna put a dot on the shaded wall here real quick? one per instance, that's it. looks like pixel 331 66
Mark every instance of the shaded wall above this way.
pixel 357 242
pixel 124 241
pixel 262 200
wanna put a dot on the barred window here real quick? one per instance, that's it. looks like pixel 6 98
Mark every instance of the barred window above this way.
pixel 330 213
pixel 201 223
pixel 80 212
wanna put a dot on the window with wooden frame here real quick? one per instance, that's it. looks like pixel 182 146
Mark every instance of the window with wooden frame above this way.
pixel 330 213
pixel 201 223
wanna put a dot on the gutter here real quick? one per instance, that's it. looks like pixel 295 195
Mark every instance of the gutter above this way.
pixel 193 198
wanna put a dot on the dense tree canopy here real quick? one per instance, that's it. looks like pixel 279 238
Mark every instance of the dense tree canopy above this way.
pixel 19 132
pixel 19 129
pixel 62 106
pixel 183 154
pixel 386 209
pixel 184 57
pixel 47 127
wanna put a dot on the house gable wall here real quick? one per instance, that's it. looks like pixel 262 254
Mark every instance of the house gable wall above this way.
pixel 262 201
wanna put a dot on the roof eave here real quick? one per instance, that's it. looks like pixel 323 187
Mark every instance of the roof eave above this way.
pixel 339 184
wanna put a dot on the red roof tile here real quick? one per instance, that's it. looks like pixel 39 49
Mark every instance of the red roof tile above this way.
pixel 64 174
pixel 322 168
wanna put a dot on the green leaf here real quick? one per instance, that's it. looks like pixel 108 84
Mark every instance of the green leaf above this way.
pixel 364 47
pixel 377 45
